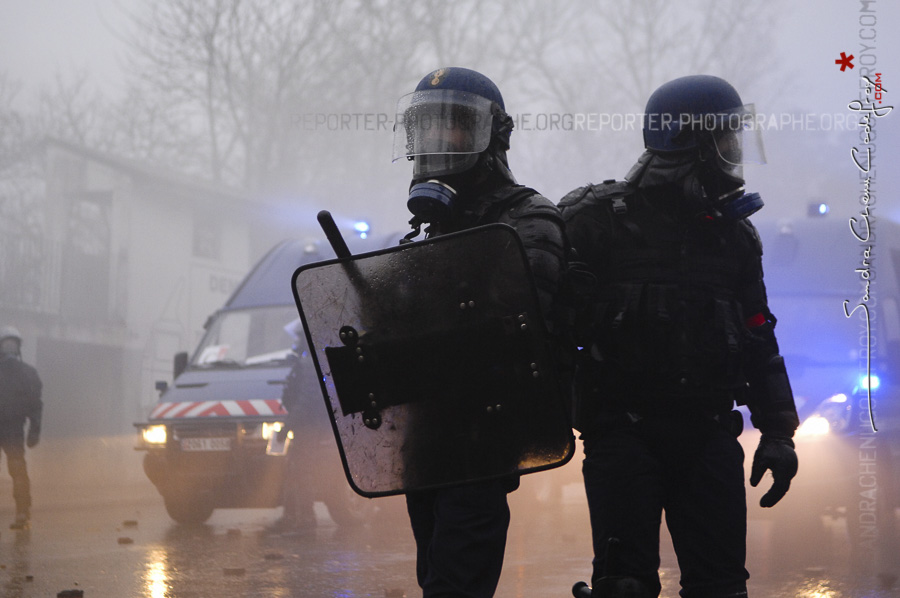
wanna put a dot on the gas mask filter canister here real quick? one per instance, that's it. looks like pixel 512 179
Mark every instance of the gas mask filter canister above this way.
pixel 431 201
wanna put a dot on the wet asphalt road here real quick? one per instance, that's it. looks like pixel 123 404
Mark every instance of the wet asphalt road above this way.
pixel 122 544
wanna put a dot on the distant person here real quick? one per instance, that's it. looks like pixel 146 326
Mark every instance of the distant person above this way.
pixel 20 400
pixel 313 470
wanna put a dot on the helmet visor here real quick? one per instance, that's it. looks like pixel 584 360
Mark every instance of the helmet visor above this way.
pixel 445 127
pixel 737 137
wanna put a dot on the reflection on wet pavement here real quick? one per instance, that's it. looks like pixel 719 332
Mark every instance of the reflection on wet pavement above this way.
pixel 240 553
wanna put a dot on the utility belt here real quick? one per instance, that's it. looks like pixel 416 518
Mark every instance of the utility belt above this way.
pixel 731 421
pixel 602 393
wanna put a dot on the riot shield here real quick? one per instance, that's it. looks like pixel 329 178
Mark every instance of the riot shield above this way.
pixel 435 363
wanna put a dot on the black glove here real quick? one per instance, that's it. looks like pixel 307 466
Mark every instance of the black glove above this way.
pixel 34 436
pixel 775 453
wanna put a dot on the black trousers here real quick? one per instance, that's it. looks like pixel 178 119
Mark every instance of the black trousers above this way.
pixel 12 443
pixel 460 535
pixel 689 468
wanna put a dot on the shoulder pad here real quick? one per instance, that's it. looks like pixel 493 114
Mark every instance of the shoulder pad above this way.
pixel 533 204
pixel 610 189
pixel 609 192
pixel 752 234
pixel 573 197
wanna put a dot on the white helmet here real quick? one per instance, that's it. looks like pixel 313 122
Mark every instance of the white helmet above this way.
pixel 10 333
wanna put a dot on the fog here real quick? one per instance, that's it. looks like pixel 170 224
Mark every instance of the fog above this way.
pixel 143 172
pixel 574 75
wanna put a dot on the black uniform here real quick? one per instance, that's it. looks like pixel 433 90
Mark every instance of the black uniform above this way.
pixel 456 131
pixel 461 531
pixel 20 400
pixel 676 328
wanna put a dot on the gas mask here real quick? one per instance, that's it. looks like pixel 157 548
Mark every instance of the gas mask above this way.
pixel 727 141
pixel 431 200
pixel 736 141
pixel 722 189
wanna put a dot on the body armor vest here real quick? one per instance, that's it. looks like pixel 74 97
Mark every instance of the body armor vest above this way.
pixel 667 318
pixel 539 225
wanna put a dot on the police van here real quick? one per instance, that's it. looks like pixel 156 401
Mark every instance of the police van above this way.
pixel 215 438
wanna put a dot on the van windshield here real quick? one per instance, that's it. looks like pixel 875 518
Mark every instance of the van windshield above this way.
pixel 247 337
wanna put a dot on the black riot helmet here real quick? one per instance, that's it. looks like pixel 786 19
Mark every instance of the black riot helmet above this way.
pixel 701 119
pixel 455 129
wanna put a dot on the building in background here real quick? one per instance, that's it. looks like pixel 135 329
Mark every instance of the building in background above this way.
pixel 109 270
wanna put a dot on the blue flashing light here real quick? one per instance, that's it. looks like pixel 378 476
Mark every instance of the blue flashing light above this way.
pixel 362 228
pixel 817 209
pixel 869 382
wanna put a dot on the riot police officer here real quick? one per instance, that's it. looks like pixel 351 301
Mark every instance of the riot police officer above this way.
pixel 455 130
pixel 677 332
pixel 20 400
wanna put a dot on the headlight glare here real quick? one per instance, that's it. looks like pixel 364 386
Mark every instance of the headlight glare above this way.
pixel 269 428
pixel 814 426
pixel 154 435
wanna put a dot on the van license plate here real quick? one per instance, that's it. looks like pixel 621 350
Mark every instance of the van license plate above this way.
pixel 206 444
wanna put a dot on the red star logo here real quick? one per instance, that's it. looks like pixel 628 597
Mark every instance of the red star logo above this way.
pixel 845 61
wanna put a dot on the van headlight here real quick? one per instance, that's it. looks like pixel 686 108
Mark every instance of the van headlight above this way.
pixel 153 436
pixel 270 429
pixel 832 417
pixel 814 426
pixel 262 431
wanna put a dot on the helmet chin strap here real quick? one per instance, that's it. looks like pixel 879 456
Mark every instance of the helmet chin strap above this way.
pixel 491 169
pixel 501 166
